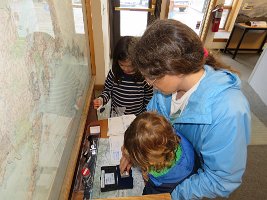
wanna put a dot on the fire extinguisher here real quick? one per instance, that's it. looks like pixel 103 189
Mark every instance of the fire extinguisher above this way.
pixel 216 17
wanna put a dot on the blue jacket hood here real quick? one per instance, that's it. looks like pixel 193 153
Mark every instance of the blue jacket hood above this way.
pixel 200 101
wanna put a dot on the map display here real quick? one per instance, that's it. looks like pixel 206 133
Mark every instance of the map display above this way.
pixel 44 76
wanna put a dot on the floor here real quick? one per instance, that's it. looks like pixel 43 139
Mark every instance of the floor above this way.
pixel 244 63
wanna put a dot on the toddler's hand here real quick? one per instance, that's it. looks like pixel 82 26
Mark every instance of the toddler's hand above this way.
pixel 97 103
pixel 125 163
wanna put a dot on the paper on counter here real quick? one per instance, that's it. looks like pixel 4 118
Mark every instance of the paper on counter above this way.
pixel 118 125
pixel 116 142
pixel 115 126
pixel 127 120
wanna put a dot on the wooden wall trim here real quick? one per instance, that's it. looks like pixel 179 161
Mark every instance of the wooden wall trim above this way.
pixel 220 40
pixel 163 196
pixel 230 16
pixel 90 34
pixel 207 21
pixel 66 187
pixel 99 87
pixel 233 14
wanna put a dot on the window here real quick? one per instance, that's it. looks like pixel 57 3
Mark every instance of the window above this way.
pixel 78 16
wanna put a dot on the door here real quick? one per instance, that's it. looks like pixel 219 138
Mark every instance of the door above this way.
pixel 131 17
pixel 190 12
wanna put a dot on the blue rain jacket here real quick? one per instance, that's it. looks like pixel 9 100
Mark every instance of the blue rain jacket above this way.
pixel 217 122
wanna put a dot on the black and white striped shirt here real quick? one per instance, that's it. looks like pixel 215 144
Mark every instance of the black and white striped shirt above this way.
pixel 134 96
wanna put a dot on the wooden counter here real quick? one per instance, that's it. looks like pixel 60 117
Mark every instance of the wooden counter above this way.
pixel 79 196
pixel 145 197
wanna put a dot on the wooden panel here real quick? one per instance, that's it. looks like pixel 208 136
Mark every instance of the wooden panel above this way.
pixel 145 197
pixel 79 196
pixel 207 21
pixel 99 87
pixel 90 34
pixel 220 40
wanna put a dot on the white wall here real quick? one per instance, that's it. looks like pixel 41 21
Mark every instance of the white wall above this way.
pixel 257 79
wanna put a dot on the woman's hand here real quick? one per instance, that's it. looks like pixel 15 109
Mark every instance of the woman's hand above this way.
pixel 125 163
pixel 97 103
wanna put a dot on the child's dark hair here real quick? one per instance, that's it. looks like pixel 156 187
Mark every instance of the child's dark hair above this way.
pixel 122 52
pixel 151 136
pixel 171 47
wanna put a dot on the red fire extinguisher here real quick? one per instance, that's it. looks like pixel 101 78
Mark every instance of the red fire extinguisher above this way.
pixel 216 17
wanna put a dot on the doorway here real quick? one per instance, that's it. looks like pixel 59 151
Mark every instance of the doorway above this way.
pixel 131 17
pixel 190 12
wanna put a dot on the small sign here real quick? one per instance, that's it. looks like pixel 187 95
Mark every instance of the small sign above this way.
pixel 94 130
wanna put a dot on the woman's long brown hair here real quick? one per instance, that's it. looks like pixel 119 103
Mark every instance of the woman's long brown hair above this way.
pixel 170 47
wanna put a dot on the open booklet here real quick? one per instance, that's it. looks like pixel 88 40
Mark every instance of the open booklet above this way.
pixel 116 128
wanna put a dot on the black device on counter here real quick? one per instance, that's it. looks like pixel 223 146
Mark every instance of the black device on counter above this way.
pixel 111 179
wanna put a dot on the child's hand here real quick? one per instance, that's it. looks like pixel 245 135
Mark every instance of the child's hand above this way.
pixel 125 163
pixel 97 103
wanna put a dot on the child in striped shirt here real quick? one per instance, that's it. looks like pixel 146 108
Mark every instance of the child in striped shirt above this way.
pixel 124 85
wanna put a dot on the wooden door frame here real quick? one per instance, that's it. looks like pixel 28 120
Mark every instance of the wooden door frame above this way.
pixel 114 27
pixel 90 35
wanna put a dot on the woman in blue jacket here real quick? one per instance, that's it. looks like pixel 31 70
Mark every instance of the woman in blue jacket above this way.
pixel 202 99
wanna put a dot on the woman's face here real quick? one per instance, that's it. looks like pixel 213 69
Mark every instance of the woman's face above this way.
pixel 126 66
pixel 168 84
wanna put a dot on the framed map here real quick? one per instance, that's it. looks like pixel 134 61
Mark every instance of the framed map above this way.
pixel 44 73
